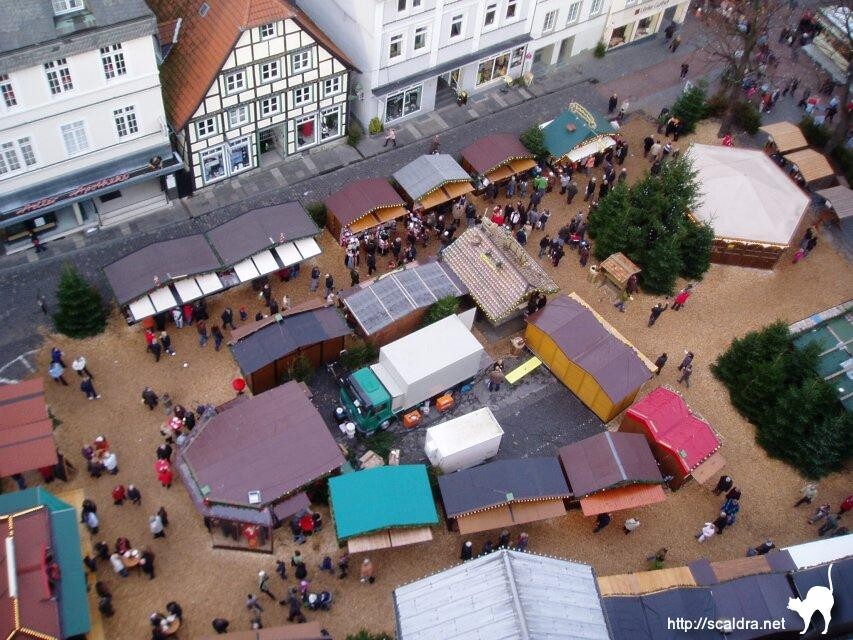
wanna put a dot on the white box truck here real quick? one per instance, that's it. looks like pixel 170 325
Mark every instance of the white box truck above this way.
pixel 464 442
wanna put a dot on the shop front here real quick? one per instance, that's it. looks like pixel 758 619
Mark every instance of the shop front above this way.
pixel 91 198
pixel 638 20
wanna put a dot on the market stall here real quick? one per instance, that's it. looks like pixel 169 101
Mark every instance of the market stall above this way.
pixel 496 158
pixel 589 356
pixel 432 180
pixel 394 304
pixel 264 241
pixel 266 355
pixel 754 208
pixel 813 167
pixel 503 493
pixel 684 444
pixel 784 137
pixel 499 274
pixel 362 205
pixel 838 203
pixel 164 275
pixel 577 134
pixel 246 469
pixel 26 429
pixel 612 472
pixel 382 507
pixel 619 268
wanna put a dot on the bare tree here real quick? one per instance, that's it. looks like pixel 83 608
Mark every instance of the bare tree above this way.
pixel 736 39
pixel 839 132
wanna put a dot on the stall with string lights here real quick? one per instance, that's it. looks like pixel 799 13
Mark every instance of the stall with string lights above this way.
pixel 363 205
pixel 432 180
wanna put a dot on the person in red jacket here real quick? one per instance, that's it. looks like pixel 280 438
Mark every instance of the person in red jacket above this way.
pixel 498 215
pixel 681 298
pixel 846 506
pixel 164 473
pixel 119 494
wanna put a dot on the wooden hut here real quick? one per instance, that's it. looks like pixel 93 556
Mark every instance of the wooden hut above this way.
pixel 362 205
pixel 432 180
pixel 784 137
pixel 578 133
pixel 838 203
pixel 813 166
pixel 497 157
pixel 619 268
pixel 26 430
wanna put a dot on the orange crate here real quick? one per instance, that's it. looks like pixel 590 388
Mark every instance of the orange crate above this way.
pixel 412 419
pixel 444 403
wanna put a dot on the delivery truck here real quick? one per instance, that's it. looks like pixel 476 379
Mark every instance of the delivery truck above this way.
pixel 464 442
pixel 410 371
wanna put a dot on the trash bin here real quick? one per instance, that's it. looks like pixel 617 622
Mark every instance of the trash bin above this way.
pixel 517 345
pixel 350 429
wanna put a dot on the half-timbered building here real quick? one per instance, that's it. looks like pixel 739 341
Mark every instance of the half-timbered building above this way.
pixel 246 78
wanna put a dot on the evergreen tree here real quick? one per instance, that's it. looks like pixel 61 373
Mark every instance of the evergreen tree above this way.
pixel 690 107
pixel 80 312
pixel 441 308
pixel 534 141
pixel 695 248
pixel 661 264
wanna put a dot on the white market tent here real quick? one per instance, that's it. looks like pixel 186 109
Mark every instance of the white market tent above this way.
pixel 506 594
pixel 812 554
pixel 464 441
pixel 745 195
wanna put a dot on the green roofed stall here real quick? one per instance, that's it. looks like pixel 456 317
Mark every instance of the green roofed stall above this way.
pixel 383 507
pixel 578 133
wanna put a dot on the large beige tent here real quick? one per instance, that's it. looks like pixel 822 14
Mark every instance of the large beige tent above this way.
pixel 753 206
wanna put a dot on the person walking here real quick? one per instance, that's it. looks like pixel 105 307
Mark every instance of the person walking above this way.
pixel 831 524
pixel 655 151
pixel 92 522
pixel 216 332
pixel 809 492
pixel 434 145
pixel 590 189
pixel 164 517
pixel 201 328
pixel 686 372
pixel 820 513
pixel 681 297
pixel 611 104
pixel 721 522
pixel 315 278
pixel 658 558
pixel 252 603
pixel 149 398
pixel 676 42
pixel 294 606
pixel 118 565
pixel 544 243
pixel 220 625
pixel 648 142
pixel 601 521
pixel 571 191
pixel 330 284
pixel 354 277
pixel 660 362
pixel 155 525
pixel 79 365
pixel 134 495
pixel 523 540
pixel 496 377
pixel 119 495
pixel 631 524
pixel 88 387
pixel 146 561
pixel 227 318
pixel 763 549
pixel 467 551
pixel 657 310
pixel 708 531
pixel 688 359
pixel 264 584
pixel 166 343
pixel 685 68
pixel 56 355
pixel 57 371
pixel 723 484
pixel 391 137
pixel 845 506
pixel 368 573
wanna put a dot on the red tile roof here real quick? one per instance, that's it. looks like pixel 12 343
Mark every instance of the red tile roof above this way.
pixel 26 430
pixel 205 42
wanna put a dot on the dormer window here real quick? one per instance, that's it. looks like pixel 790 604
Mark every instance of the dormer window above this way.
pixel 66 6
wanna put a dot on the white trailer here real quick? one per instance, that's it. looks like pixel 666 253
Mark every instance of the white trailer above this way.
pixel 464 442
pixel 427 362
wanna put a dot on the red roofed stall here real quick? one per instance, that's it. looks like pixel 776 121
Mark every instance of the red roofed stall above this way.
pixel 26 430
pixel 684 444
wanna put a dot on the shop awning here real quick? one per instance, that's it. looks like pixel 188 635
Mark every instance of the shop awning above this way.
pixel 589 149
pixel 188 289
pixel 709 469
pixel 209 283
pixel 576 133
pixel 288 254
pixel 510 514
pixel 501 173
pixel 390 213
pixel 308 247
pixel 522 164
pixel 141 308
pixel 265 262
pixel 457 189
pixel 364 223
pixel 246 270
pixel 630 497
pixel 388 539
pixel 811 164
pixel 434 199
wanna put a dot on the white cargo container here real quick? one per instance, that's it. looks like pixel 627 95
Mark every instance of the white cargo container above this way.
pixel 464 442
pixel 427 362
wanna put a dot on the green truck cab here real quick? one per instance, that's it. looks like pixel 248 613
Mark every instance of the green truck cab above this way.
pixel 366 400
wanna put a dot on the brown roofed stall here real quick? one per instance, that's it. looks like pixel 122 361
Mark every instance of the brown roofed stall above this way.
pixel 813 166
pixel 26 430
pixel 362 205
pixel 785 136
pixel 497 157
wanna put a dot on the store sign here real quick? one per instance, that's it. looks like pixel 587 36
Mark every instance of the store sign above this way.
pixel 74 193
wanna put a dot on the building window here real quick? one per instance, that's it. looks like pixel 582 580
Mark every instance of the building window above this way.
pixel 205 128
pixel 74 136
pixel 125 119
pixel 420 38
pixel 574 13
pixel 416 4
pixel 235 82
pixel 303 95
pixel 212 165
pixel 511 9
pixel 66 6
pixel 58 76
pixel 7 90
pixel 332 86
pixel 300 61
pixel 550 21
pixel 491 10
pixel 517 57
pixel 456 26
pixel 268 31
pixel 270 71
pixel 402 104
pixel 493 68
pixel 238 115
pixel 15 155
pixel 395 49
pixel 595 9
pixel 401 5
pixel 306 131
pixel 112 59
pixel 240 154
pixel 330 123
pixel 270 106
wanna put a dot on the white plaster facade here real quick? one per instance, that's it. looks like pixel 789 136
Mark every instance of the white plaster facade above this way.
pixel 631 20
pixel 282 93
pixel 97 129
pixel 411 52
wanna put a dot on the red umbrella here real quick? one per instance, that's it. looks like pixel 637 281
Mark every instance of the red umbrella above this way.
pixel 238 384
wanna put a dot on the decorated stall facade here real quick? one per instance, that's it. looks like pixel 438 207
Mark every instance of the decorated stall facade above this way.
pixel 578 133
pixel 361 206
pixel 753 207
pixel 496 158
pixel 246 469
pixel 499 274
pixel 432 180
pixel 382 507
pixel 589 356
